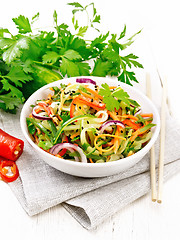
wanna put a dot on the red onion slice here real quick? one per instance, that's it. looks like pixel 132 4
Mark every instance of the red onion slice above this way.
pixel 109 123
pixel 85 80
pixel 132 105
pixel 36 115
pixel 75 157
pixel 56 148
pixel 138 112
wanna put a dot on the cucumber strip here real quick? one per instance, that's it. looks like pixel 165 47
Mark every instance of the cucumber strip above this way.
pixel 53 127
pixel 71 120
pixel 41 127
pixel 84 141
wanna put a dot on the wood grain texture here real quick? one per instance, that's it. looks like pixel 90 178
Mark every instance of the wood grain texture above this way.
pixel 142 219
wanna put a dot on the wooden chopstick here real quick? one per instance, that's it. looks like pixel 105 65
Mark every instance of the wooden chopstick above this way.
pixel 162 140
pixel 152 151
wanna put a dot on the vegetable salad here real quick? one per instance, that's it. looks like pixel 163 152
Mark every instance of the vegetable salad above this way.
pixel 88 123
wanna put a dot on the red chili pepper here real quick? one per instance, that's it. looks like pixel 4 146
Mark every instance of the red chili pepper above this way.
pixel 4 172
pixel 63 151
pixel 91 102
pixel 10 147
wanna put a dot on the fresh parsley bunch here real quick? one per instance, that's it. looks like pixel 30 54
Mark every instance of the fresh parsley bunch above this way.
pixel 29 60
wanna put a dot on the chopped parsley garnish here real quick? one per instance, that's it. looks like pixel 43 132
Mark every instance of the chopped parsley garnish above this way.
pixel 113 99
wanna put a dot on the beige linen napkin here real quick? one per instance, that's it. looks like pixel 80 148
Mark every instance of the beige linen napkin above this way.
pixel 90 201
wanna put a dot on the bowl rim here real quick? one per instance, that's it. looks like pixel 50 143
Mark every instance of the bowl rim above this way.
pixel 138 154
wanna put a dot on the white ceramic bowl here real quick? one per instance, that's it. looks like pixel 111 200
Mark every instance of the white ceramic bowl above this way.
pixel 88 169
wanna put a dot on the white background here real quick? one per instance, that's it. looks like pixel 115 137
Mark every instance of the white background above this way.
pixel 158 47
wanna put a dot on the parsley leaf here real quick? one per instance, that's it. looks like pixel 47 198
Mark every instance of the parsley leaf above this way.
pixel 15 50
pixel 6 42
pixel 35 17
pixel 82 31
pixel 105 91
pixel 68 67
pixel 9 103
pixel 55 17
pixel 113 99
pixel 22 24
pixel 50 57
pixel 84 68
pixel 121 95
pixel 76 4
pixel 108 98
pixel 123 33
pixel 17 76
pixel 72 55
pixel 3 30
pixel 111 103
pixel 101 68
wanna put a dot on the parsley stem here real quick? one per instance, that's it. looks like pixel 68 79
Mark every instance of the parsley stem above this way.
pixel 47 64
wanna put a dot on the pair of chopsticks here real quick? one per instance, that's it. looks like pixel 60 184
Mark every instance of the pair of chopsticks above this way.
pixel 157 196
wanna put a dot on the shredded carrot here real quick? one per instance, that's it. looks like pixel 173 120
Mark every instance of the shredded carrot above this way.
pixel 38 110
pixel 109 135
pixel 146 122
pixel 59 117
pixel 112 87
pixel 51 89
pixel 110 143
pixel 131 124
pixel 108 157
pixel 137 133
pixel 106 135
pixel 134 135
pixel 119 111
pixel 91 160
pixel 36 139
pixel 116 140
pixel 130 153
pixel 48 98
pixel 129 116
pixel 94 93
pixel 87 101
pixel 147 115
pixel 113 115
pixel 38 130
pixel 104 150
pixel 52 111
pixel 85 94
pixel 75 135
